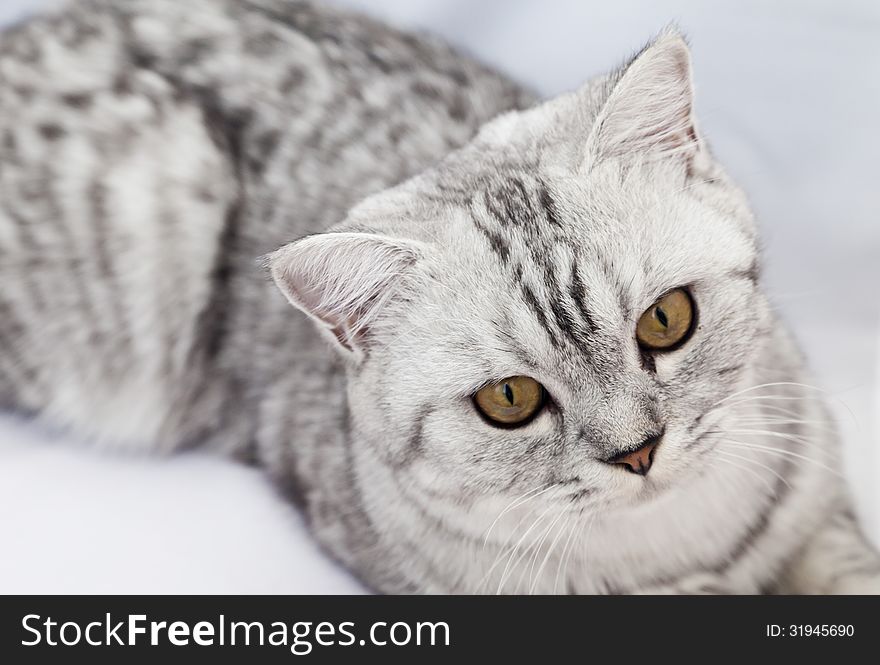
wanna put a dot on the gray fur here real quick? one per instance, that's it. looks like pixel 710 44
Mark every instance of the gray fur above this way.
pixel 152 151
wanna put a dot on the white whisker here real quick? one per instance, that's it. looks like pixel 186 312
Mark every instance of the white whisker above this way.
pixel 577 542
pixel 761 464
pixel 510 560
pixel 536 552
pixel 730 462
pixel 769 385
pixel 780 452
pixel 507 548
pixel 562 556
pixel 782 435
pixel 528 496
pixel 758 420
pixel 550 550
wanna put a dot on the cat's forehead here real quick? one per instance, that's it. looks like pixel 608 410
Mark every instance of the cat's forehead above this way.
pixel 573 263
pixel 631 228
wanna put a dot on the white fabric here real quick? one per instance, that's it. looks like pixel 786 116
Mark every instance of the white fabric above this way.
pixel 788 97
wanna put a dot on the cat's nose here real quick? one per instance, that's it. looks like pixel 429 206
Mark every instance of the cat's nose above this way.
pixel 638 460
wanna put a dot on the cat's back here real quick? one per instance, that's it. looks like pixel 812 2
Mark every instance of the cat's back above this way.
pixel 152 150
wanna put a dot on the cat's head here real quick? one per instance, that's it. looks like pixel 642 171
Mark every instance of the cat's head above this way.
pixel 550 311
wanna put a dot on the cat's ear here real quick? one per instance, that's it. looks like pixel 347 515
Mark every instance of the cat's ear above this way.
pixel 649 109
pixel 342 280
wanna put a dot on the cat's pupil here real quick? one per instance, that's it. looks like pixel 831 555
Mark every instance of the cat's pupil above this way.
pixel 661 316
pixel 508 393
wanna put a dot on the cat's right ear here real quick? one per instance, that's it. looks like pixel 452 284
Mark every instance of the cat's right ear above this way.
pixel 343 280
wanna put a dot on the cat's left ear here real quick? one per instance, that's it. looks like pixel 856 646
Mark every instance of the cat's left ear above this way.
pixel 343 281
pixel 649 110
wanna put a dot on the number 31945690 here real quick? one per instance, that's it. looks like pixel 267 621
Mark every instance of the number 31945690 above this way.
pixel 810 630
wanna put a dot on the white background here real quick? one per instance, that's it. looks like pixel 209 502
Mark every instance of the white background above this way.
pixel 789 97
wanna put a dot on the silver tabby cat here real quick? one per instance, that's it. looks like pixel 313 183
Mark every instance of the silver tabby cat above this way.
pixel 454 246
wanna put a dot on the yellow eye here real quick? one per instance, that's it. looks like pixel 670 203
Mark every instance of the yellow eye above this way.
pixel 667 323
pixel 512 401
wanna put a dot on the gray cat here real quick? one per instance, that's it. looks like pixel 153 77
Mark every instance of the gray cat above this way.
pixel 532 354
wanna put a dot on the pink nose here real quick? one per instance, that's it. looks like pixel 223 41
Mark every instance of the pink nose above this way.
pixel 639 460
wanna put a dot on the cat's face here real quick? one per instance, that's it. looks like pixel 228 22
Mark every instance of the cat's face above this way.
pixel 547 315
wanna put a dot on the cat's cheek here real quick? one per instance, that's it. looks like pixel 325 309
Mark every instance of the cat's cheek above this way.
pixel 679 463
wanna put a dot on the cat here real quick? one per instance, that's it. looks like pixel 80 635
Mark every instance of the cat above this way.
pixel 528 350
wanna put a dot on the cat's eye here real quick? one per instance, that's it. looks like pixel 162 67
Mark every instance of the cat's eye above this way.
pixel 667 323
pixel 511 402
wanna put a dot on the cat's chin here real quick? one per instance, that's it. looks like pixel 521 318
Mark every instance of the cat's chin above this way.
pixel 648 492
pixel 655 486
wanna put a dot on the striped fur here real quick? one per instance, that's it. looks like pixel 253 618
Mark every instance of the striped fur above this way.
pixel 155 154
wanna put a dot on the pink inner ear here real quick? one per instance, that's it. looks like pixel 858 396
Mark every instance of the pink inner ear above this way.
pixel 350 334
pixel 341 337
pixel 650 109
pixel 342 279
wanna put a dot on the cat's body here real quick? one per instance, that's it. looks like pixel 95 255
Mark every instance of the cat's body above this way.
pixel 190 158
pixel 151 152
